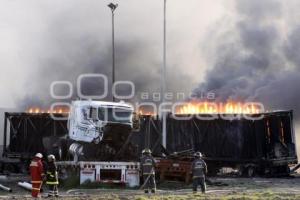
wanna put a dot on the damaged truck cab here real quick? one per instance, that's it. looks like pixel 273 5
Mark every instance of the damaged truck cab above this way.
pixel 97 128
pixel 89 120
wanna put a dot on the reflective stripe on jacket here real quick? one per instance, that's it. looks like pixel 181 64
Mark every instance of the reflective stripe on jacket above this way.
pixel 148 165
pixel 52 177
pixel 199 168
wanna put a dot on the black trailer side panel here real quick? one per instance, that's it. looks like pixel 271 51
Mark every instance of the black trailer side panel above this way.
pixel 241 140
pixel 215 138
pixel 238 140
pixel 27 132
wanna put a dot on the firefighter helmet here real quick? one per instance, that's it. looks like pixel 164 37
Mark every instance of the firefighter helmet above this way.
pixel 198 154
pixel 51 157
pixel 39 155
pixel 146 151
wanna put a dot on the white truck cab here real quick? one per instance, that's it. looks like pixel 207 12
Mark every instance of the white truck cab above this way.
pixel 88 119
pixel 97 132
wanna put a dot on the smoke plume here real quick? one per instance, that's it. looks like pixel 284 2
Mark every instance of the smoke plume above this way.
pixel 257 58
pixel 77 41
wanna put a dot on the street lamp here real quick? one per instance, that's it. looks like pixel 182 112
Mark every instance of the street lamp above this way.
pixel 163 78
pixel 113 8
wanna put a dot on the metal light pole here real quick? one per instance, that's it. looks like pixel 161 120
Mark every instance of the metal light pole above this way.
pixel 163 81
pixel 113 8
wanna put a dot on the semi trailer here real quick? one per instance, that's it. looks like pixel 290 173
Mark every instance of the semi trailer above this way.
pixel 265 146
pixel 259 144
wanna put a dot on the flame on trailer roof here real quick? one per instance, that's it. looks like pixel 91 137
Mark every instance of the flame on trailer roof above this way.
pixel 38 110
pixel 219 108
pixel 183 108
pixel 212 108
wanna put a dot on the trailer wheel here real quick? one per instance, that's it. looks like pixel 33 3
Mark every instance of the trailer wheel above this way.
pixel 242 170
pixel 250 171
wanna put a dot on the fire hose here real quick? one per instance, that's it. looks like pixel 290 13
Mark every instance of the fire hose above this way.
pixel 27 186
pixel 147 179
pixel 5 188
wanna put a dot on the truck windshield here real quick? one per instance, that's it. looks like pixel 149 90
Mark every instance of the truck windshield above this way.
pixel 114 115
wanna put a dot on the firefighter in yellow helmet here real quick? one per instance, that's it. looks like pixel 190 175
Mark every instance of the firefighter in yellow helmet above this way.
pixel 52 176
pixel 148 171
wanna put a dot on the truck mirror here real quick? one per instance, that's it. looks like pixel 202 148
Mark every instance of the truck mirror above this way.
pixel 136 122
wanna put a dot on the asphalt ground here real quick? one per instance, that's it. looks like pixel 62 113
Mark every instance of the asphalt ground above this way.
pixel 218 188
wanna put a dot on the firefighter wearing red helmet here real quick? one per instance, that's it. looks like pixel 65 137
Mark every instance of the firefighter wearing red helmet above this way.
pixel 37 174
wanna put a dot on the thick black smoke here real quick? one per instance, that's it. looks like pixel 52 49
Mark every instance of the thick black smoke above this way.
pixel 253 59
pixel 67 54
pixel 90 59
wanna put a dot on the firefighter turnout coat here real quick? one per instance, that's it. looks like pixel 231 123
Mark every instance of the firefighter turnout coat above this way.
pixel 148 165
pixel 37 173
pixel 52 178
pixel 199 168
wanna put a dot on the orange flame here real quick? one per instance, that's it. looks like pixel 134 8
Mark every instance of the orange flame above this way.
pixel 212 108
pixel 142 112
pixel 37 110
pixel 218 108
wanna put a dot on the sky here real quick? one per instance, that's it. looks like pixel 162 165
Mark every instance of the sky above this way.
pixel 39 37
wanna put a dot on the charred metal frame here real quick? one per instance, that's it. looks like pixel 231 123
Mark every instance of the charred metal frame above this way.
pixel 182 135
pixel 218 138
pixel 22 124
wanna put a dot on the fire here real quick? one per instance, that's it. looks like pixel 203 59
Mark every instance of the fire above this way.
pixel 142 112
pixel 37 110
pixel 210 108
pixel 219 108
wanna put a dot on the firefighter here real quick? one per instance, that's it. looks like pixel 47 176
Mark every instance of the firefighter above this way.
pixel 199 169
pixel 37 174
pixel 148 171
pixel 52 177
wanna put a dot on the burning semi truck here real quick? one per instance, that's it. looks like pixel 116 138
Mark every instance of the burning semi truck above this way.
pixel 265 146
pixel 90 130
pixel 93 132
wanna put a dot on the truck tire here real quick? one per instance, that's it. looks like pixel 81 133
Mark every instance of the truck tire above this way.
pixel 250 171
pixel 241 170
